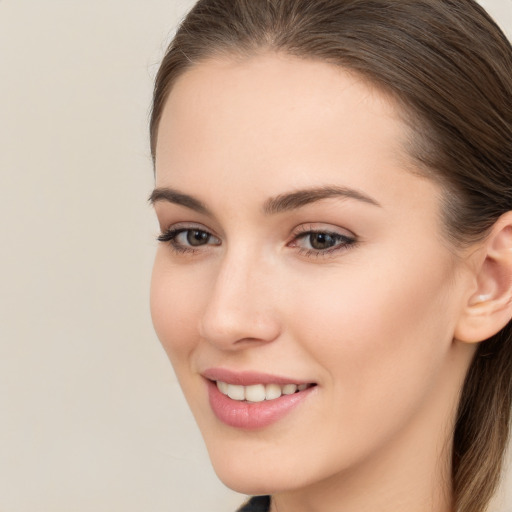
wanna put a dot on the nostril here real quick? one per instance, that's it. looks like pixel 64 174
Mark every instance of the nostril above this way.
pixel 237 329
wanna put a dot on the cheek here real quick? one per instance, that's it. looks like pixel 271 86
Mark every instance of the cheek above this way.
pixel 382 334
pixel 174 309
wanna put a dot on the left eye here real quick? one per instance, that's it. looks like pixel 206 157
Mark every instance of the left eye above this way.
pixel 322 241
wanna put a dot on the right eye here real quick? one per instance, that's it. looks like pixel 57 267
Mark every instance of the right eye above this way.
pixel 188 239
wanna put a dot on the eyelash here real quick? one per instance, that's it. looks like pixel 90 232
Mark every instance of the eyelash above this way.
pixel 342 242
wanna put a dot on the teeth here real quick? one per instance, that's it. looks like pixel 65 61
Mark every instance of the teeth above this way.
pixel 223 387
pixel 258 392
pixel 272 391
pixel 289 389
pixel 255 393
pixel 236 392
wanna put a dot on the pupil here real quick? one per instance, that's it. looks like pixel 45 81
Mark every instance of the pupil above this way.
pixel 195 237
pixel 321 241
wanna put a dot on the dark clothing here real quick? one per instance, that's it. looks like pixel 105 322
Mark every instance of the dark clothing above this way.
pixel 256 504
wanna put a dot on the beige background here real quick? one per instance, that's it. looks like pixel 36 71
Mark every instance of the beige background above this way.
pixel 91 417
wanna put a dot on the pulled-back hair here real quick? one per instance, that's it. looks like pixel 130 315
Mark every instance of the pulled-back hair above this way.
pixel 448 67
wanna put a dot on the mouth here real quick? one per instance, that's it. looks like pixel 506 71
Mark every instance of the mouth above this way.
pixel 252 400
pixel 259 392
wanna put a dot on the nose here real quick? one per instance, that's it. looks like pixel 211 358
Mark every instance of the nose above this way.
pixel 240 310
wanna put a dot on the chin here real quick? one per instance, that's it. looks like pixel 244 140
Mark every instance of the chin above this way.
pixel 247 485
pixel 251 482
pixel 257 472
pixel 241 471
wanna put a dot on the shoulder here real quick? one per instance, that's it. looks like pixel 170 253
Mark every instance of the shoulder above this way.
pixel 256 504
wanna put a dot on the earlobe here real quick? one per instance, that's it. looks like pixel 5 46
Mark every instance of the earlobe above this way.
pixel 489 307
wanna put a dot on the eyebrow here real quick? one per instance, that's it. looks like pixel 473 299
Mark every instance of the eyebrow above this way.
pixel 300 198
pixel 173 196
pixel 272 206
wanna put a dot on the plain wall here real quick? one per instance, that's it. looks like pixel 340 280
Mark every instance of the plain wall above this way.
pixel 91 416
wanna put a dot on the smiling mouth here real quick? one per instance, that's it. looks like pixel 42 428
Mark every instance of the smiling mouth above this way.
pixel 259 392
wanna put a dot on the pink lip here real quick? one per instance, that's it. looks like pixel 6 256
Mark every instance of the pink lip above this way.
pixel 248 378
pixel 247 415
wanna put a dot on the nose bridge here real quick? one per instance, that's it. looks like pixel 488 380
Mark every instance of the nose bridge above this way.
pixel 240 302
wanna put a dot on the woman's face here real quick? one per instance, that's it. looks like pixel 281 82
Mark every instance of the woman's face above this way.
pixel 298 248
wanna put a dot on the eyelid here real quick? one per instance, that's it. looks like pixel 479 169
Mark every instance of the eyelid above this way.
pixel 318 227
pixel 189 225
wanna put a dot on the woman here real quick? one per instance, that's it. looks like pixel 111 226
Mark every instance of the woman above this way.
pixel 334 280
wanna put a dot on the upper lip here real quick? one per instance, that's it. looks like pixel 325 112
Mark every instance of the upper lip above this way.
pixel 248 378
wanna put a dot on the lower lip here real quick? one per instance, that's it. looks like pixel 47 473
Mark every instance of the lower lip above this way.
pixel 250 416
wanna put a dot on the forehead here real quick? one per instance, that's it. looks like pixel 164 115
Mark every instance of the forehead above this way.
pixel 274 91
pixel 275 122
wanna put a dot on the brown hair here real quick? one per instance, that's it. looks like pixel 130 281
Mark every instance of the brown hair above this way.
pixel 450 67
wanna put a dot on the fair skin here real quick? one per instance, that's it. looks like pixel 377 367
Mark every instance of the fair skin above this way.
pixel 356 293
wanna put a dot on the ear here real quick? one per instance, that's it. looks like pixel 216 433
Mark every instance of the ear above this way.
pixel 489 307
